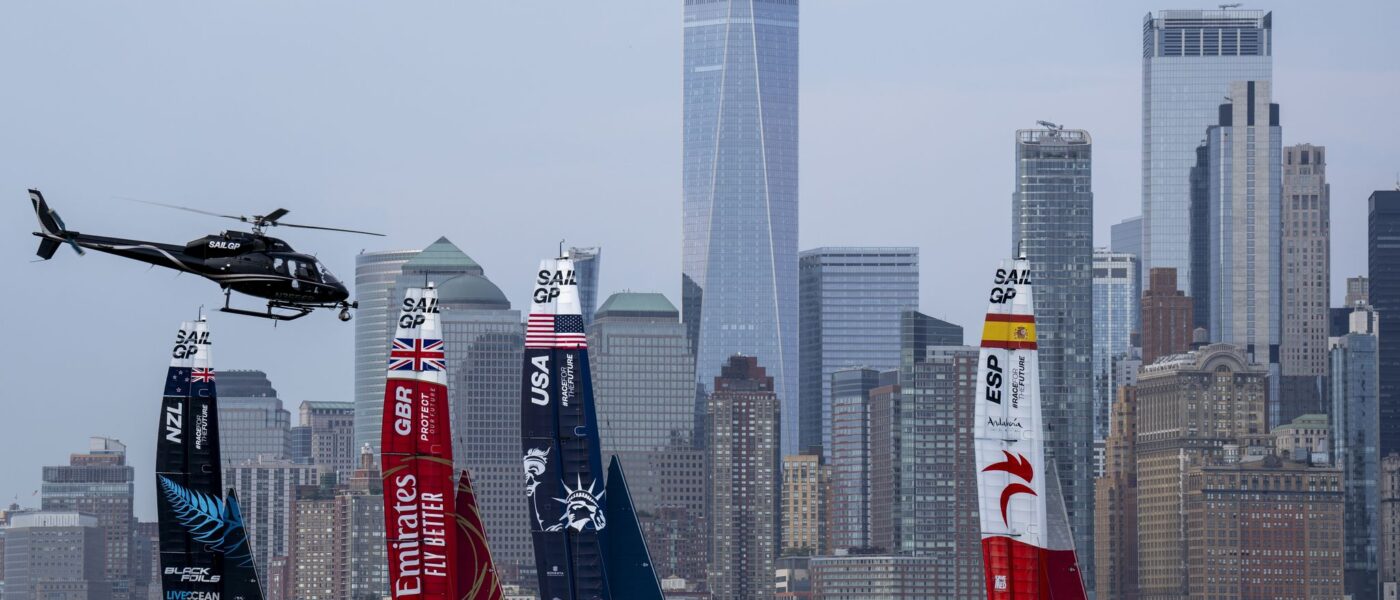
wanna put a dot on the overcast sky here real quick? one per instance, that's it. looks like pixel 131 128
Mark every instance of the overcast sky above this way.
pixel 507 126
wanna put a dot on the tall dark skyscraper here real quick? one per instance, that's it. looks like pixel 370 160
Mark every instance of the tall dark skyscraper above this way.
pixel 1383 259
pixel 1052 221
pixel 739 282
pixel 850 300
pixel 1189 58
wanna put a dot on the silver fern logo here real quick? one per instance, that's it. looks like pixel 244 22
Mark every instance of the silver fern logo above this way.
pixel 212 521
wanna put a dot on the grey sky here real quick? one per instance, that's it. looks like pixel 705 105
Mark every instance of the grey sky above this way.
pixel 509 125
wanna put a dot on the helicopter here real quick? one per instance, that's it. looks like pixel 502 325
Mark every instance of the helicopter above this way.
pixel 247 262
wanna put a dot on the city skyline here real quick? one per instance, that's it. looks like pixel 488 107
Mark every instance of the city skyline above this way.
pixel 186 143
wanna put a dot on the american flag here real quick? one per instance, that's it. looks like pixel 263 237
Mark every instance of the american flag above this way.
pixel 555 331
pixel 416 354
pixel 201 375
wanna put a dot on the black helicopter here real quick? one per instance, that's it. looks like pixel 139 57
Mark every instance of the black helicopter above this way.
pixel 251 263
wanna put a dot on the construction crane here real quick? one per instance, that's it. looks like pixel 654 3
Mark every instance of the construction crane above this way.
pixel 1230 6
pixel 1050 126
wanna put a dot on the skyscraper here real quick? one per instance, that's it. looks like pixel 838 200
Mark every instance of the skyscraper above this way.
pixel 1052 222
pixel 1166 317
pixel 849 304
pixel 805 482
pixel 1115 316
pixel 587 264
pixel 267 491
pixel 375 275
pixel 1355 428
pixel 1245 192
pixel 484 340
pixel 252 421
pixel 1305 275
pixel 1126 237
pixel 1189 57
pixel 644 376
pixel 1390 526
pixel 884 463
pixel 55 555
pixel 742 419
pixel 1383 260
pixel 739 283
pixel 1115 504
pixel 331 429
pixel 99 483
pixel 850 456
pixel 1190 408
pixel 380 278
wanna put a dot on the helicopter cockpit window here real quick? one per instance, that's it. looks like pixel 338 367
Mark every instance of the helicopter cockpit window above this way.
pixel 305 273
pixel 326 273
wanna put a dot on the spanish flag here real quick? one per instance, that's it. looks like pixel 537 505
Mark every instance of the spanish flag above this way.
pixel 1014 332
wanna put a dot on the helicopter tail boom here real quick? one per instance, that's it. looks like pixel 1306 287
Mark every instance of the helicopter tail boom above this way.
pixel 53 231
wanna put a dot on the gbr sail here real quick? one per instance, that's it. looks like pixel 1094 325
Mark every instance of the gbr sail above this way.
pixel 477 578
pixel 204 549
pixel 564 483
pixel 416 456
pixel 1027 551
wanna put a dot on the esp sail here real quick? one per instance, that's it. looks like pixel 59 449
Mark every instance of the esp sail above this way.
pixel 204 549
pixel 416 456
pixel 1027 552
pixel 476 572
pixel 559 442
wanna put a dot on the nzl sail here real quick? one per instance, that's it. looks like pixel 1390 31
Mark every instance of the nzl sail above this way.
pixel 476 572
pixel 559 442
pixel 204 551
pixel 1027 551
pixel 416 456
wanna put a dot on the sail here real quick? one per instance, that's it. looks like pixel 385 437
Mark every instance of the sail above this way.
pixel 1020 546
pixel 240 573
pixel 189 480
pixel 559 442
pixel 476 572
pixel 630 574
pixel 416 456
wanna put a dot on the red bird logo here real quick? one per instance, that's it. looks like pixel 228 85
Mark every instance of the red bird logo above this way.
pixel 1019 466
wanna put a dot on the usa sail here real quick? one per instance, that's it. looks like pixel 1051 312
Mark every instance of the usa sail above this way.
pixel 204 550
pixel 416 456
pixel 559 442
pixel 1027 552
pixel 476 572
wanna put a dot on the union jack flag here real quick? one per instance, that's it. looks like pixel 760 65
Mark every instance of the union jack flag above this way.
pixel 201 375
pixel 416 354
pixel 555 331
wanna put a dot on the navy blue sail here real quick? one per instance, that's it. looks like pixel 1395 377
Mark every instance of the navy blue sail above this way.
pixel 630 573
pixel 204 551
pixel 559 443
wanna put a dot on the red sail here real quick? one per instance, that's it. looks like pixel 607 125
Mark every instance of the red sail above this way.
pixel 476 573
pixel 416 456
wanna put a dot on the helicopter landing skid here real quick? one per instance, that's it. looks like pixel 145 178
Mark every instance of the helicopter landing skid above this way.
pixel 297 311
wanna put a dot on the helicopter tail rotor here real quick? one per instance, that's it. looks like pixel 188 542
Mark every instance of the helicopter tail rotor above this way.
pixel 53 231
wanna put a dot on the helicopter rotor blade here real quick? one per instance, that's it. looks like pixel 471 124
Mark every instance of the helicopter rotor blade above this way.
pixel 274 215
pixel 325 228
pixel 186 208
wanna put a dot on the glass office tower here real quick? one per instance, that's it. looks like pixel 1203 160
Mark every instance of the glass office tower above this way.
pixel 1189 57
pixel 739 281
pixel 849 302
pixel 1052 221
pixel 1116 312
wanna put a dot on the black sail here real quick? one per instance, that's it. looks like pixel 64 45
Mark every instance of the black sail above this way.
pixel 204 550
